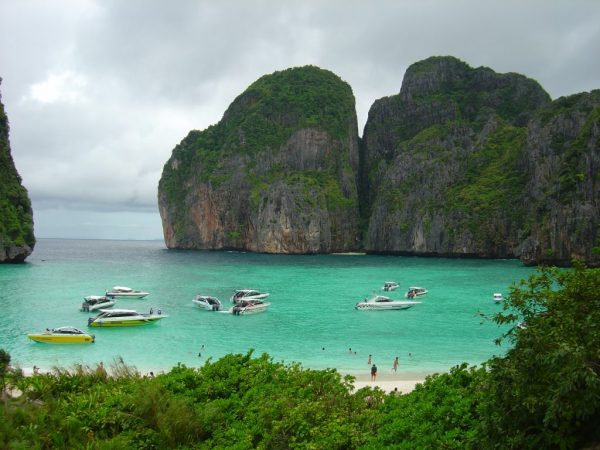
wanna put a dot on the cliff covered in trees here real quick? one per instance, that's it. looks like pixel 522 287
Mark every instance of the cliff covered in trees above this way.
pixel 462 162
pixel 277 174
pixel 16 217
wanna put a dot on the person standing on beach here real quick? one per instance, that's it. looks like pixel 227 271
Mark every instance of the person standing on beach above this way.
pixel 396 362
pixel 373 372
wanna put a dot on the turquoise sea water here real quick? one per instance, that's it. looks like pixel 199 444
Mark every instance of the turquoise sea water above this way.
pixel 312 319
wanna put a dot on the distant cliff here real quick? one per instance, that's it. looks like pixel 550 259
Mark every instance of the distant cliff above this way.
pixel 462 162
pixel 468 162
pixel 16 217
pixel 277 174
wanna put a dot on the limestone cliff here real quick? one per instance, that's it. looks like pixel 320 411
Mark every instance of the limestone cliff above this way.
pixel 461 162
pixel 467 162
pixel 277 174
pixel 16 217
pixel 562 166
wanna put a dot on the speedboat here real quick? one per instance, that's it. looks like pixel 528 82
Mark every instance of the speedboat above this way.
pixel 124 318
pixel 95 302
pixel 243 307
pixel 63 335
pixel 497 297
pixel 123 291
pixel 380 302
pixel 207 302
pixel 248 294
pixel 390 286
pixel 414 291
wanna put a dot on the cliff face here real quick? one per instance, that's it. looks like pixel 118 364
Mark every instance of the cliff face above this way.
pixel 16 217
pixel 467 162
pixel 277 174
pixel 561 161
pixel 462 162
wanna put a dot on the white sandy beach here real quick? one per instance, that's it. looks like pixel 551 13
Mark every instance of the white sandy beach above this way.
pixel 402 386
pixel 403 383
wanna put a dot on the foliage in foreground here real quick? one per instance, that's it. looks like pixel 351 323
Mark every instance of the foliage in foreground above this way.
pixel 545 393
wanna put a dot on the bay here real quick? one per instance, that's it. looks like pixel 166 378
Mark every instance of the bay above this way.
pixel 311 321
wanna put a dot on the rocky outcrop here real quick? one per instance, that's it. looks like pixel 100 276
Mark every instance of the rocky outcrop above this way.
pixel 461 162
pixel 16 217
pixel 467 162
pixel 561 161
pixel 276 175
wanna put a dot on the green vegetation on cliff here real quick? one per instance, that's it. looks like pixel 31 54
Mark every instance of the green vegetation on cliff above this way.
pixel 491 183
pixel 291 133
pixel 16 217
pixel 263 118
pixel 544 393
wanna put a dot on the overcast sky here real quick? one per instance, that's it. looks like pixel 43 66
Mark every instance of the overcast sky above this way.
pixel 99 92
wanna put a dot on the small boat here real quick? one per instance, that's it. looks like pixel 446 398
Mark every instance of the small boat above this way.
pixel 207 302
pixel 95 302
pixel 381 303
pixel 415 291
pixel 390 286
pixel 244 307
pixel 497 297
pixel 124 318
pixel 63 335
pixel 248 294
pixel 123 291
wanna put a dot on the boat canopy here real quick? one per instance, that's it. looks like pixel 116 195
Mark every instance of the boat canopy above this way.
pixel 122 289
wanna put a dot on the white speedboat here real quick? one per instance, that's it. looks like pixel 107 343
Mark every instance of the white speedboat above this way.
pixel 248 294
pixel 123 291
pixel 390 286
pixel 252 306
pixel 382 303
pixel 207 302
pixel 63 335
pixel 95 302
pixel 497 297
pixel 124 318
pixel 415 291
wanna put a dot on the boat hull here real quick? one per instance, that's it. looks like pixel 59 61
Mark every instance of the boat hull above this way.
pixel 206 306
pixel 388 307
pixel 244 311
pixel 85 307
pixel 124 323
pixel 56 339
pixel 127 294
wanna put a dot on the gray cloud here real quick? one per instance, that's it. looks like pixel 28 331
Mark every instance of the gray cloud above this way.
pixel 99 92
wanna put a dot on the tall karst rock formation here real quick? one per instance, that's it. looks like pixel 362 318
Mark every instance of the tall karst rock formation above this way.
pixel 16 217
pixel 468 162
pixel 462 162
pixel 277 174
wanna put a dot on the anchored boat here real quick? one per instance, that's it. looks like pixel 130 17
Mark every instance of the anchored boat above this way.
pixel 96 302
pixel 124 318
pixel 63 335
pixel 382 303
pixel 124 291
pixel 207 302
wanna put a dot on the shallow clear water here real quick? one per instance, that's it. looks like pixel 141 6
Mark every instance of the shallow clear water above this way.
pixel 312 319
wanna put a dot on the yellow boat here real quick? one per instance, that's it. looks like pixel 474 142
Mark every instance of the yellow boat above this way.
pixel 124 318
pixel 63 335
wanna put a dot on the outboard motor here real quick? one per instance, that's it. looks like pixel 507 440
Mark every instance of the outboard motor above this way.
pixel 90 320
pixel 85 307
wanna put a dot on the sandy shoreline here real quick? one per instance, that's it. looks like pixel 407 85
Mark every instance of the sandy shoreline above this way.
pixel 401 382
